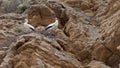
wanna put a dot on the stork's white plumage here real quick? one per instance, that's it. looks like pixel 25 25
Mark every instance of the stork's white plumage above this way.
pixel 28 26
pixel 53 25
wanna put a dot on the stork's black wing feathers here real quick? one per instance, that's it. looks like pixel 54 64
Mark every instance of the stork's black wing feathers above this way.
pixel 32 29
pixel 46 28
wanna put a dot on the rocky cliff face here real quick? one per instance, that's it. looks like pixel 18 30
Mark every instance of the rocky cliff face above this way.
pixel 87 35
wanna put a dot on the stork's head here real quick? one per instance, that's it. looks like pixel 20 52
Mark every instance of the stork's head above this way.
pixel 56 21
pixel 26 21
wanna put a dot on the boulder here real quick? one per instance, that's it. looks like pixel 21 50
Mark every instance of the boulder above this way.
pixel 40 15
pixel 97 64
pixel 41 51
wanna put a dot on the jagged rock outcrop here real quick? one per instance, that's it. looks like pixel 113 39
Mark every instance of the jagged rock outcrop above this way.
pixel 87 37
pixel 96 64
pixel 11 24
pixel 106 14
pixel 37 51
pixel 107 46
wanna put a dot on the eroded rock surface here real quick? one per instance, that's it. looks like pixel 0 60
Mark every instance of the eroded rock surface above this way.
pixel 42 52
pixel 87 37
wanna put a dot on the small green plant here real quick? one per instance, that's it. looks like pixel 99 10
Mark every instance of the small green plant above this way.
pixel 21 8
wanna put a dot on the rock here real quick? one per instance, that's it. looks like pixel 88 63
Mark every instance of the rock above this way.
pixel 2 54
pixel 83 5
pixel 60 11
pixel 96 64
pixel 40 15
pixel 104 48
pixel 45 14
pixel 41 52
pixel 109 34
pixel 87 37
pixel 12 16
pixel 10 25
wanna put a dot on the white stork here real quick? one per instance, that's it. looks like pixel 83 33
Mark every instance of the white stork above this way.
pixel 53 25
pixel 28 26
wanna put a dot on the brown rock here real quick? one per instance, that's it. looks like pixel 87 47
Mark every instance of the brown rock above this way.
pixel 11 24
pixel 83 5
pixel 101 53
pixel 102 49
pixel 2 54
pixel 91 34
pixel 96 64
pixel 109 34
pixel 40 15
pixel 41 51
pixel 60 11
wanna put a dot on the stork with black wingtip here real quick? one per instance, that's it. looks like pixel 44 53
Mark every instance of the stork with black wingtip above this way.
pixel 52 26
pixel 28 27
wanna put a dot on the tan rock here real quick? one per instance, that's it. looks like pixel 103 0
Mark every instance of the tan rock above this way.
pixel 83 5
pixel 84 36
pixel 40 15
pixel 11 25
pixel 109 31
pixel 41 51
pixel 97 64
